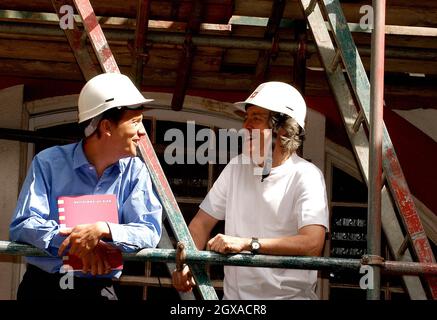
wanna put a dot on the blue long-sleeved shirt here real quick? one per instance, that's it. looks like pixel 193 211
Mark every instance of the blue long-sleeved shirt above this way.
pixel 65 171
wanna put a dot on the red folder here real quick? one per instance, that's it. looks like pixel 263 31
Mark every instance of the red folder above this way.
pixel 74 210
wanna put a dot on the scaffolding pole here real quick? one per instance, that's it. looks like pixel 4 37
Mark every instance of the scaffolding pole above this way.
pixel 197 257
pixel 375 142
pixel 225 42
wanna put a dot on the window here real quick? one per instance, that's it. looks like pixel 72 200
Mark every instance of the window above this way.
pixel 348 206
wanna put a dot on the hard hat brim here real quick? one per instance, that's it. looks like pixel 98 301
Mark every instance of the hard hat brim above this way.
pixel 241 105
pixel 136 105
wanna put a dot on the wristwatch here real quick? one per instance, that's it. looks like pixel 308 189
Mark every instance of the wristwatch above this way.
pixel 254 245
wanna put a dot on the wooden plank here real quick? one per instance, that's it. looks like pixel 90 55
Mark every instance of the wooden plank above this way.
pixel 217 11
pixel 411 93
pixel 407 41
pixel 412 15
pixel 248 31
pixel 207 59
pixel 95 33
pixel 40 69
pixel 165 56
pixel 401 91
pixel 391 65
pixel 78 44
pixel 240 57
pixel 299 56
pixel 187 56
pixel 271 33
pixel 140 47
pixel 398 13
pixel 36 50
pixel 202 80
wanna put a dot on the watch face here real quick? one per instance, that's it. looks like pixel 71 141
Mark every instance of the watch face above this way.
pixel 255 245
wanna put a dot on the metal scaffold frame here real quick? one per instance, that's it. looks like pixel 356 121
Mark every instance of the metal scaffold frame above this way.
pixel 352 91
pixel 197 257
pixel 379 154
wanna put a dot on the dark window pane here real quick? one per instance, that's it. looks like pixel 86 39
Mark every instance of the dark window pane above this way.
pixel 346 188
pixel 68 131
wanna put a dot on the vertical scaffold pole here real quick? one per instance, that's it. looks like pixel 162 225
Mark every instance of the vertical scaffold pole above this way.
pixel 375 141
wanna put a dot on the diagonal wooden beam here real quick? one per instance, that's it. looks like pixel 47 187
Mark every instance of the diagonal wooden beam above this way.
pixel 186 59
pixel 97 38
pixel 140 49
pixel 299 56
pixel 77 41
pixel 174 13
pixel 271 33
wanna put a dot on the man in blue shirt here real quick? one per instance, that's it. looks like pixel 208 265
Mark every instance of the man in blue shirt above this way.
pixel 104 162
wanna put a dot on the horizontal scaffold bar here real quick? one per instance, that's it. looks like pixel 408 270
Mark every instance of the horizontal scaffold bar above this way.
pixel 242 259
pixel 225 41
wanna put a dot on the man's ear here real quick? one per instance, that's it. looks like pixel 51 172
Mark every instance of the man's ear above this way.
pixel 105 127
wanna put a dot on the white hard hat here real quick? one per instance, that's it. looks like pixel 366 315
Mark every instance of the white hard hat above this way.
pixel 278 97
pixel 107 91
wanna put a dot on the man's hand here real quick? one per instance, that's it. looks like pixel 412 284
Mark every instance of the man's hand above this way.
pixel 227 244
pixel 83 238
pixel 97 261
pixel 183 280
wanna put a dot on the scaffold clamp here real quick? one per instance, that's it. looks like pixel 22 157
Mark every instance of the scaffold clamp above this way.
pixel 180 256
pixel 372 260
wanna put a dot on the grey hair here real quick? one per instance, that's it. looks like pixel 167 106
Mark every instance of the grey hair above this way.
pixel 293 137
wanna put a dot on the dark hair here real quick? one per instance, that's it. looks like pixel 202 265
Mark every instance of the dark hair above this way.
pixel 114 115
pixel 294 135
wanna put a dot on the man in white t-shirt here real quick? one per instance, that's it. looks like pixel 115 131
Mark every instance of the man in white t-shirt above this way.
pixel 272 201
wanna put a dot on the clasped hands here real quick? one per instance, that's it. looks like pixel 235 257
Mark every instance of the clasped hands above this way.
pixel 84 242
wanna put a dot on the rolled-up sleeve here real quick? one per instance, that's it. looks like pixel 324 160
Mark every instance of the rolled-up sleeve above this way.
pixel 141 217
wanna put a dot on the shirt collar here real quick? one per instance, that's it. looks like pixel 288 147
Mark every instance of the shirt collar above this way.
pixel 80 160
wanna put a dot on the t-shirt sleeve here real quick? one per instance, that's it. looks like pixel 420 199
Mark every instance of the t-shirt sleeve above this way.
pixel 215 201
pixel 312 204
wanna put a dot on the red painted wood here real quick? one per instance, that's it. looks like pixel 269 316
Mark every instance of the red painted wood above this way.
pixel 95 33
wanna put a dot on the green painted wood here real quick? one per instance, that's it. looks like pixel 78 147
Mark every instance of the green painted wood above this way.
pixel 351 57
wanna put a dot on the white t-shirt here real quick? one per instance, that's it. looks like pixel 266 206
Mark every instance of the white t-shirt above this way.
pixel 291 197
